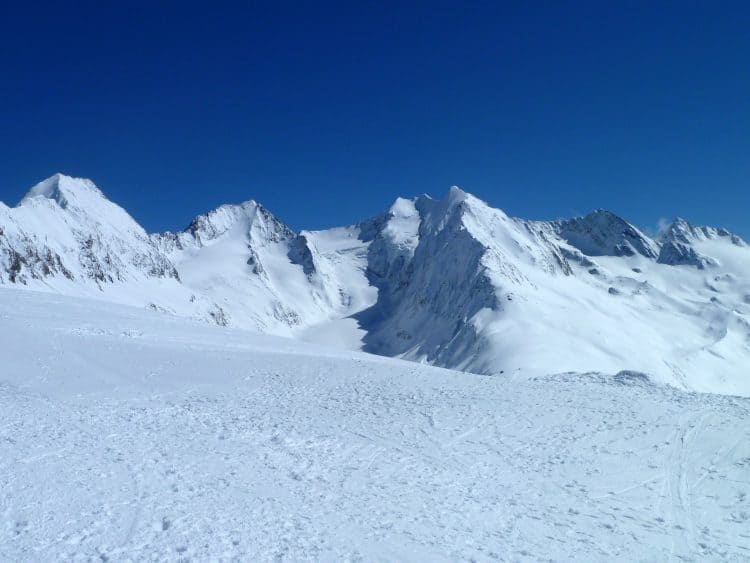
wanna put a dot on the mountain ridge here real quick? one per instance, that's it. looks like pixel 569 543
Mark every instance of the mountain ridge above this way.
pixel 448 281
pixel 679 227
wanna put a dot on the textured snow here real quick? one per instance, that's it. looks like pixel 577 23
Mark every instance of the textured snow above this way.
pixel 133 435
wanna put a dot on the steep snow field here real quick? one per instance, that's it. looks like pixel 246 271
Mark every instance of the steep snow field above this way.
pixel 129 434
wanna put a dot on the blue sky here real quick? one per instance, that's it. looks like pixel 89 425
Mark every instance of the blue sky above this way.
pixel 325 112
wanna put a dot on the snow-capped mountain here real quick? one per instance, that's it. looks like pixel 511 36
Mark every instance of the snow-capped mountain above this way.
pixel 66 227
pixel 236 265
pixel 263 275
pixel 680 242
pixel 468 287
pixel 449 281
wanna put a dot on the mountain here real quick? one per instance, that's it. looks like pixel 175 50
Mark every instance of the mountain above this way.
pixel 65 227
pixel 680 244
pixel 449 281
pixel 261 274
pixel 602 233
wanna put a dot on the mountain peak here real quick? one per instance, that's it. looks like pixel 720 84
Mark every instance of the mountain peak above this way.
pixel 601 232
pixel 249 217
pixel 63 190
pixel 456 194
pixel 683 232
pixel 62 197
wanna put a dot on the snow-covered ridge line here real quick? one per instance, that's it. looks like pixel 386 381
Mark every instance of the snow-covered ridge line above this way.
pixel 450 281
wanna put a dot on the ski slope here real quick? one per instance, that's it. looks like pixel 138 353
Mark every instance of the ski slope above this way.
pixel 127 434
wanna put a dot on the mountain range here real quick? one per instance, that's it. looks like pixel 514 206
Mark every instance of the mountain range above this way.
pixel 451 282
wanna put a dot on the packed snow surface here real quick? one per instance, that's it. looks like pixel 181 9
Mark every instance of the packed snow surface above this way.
pixel 131 434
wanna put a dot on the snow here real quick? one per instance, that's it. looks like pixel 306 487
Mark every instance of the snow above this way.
pixel 78 198
pixel 602 233
pixel 487 293
pixel 129 434
pixel 59 188
pixel 449 281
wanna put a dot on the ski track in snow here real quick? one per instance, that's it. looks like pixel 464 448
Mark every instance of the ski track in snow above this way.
pixel 189 442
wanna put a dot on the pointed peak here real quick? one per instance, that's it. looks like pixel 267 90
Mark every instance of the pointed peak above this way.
pixel 667 225
pixel 684 232
pixel 679 221
pixel 63 190
pixel 453 196
pixel 603 215
pixel 603 233
pixel 247 206
pixel 437 213
pixel 603 219
pixel 456 194
pixel 77 198
pixel 247 216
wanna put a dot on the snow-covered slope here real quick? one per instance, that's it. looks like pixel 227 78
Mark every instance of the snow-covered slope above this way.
pixel 465 286
pixel 131 435
pixel 265 276
pixel 449 281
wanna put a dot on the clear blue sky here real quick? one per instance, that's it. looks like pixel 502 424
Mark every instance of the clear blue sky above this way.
pixel 325 112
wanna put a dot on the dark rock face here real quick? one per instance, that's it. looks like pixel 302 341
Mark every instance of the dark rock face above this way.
pixel 300 253
pixel 22 262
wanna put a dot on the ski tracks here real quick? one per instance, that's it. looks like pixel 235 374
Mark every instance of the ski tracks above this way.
pixel 677 484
